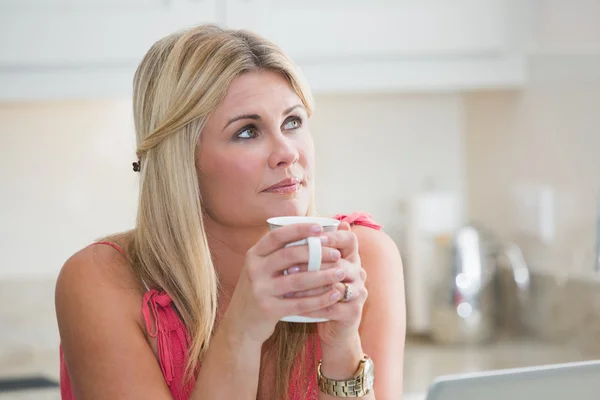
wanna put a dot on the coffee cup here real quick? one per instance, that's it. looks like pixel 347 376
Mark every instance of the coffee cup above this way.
pixel 314 249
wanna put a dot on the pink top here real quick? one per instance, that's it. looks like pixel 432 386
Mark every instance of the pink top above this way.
pixel 163 323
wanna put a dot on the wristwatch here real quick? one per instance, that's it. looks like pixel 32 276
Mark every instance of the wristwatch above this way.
pixel 359 385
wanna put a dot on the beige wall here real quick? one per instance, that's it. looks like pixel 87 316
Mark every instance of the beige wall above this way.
pixel 65 171
pixel 66 175
pixel 375 151
pixel 66 179
pixel 547 135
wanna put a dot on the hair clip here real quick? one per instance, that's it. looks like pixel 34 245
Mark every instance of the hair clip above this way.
pixel 136 166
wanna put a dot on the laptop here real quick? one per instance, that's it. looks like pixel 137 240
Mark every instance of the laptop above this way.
pixel 569 381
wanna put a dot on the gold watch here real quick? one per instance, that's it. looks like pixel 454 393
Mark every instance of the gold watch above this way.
pixel 359 385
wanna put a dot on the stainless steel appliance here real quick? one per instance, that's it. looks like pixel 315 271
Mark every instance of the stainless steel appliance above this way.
pixel 466 292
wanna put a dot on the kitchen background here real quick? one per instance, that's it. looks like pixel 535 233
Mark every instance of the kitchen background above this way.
pixel 430 115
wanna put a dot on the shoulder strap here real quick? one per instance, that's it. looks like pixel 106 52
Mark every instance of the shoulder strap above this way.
pixel 114 246
pixel 359 218
pixel 120 250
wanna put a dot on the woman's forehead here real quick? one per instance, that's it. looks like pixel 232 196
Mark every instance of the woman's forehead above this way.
pixel 257 92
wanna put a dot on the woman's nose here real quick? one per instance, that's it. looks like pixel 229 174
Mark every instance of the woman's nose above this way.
pixel 284 152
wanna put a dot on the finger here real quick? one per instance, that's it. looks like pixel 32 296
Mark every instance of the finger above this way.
pixel 352 291
pixel 279 237
pixel 336 312
pixel 308 293
pixel 295 256
pixel 330 259
pixel 345 241
pixel 342 310
pixel 310 304
pixel 285 284
pixel 304 267
pixel 352 272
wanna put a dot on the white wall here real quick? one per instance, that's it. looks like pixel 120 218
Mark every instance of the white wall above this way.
pixel 546 135
pixel 374 151
pixel 66 175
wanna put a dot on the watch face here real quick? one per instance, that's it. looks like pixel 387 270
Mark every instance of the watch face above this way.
pixel 369 374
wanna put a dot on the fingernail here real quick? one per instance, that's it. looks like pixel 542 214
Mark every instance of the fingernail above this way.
pixel 293 270
pixel 335 255
pixel 316 228
pixel 336 296
pixel 339 274
pixel 324 240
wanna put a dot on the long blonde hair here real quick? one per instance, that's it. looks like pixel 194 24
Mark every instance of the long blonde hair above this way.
pixel 180 81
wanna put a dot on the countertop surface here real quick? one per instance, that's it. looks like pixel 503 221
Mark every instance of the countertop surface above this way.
pixel 423 362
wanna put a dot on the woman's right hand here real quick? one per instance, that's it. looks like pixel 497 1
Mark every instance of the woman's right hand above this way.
pixel 258 302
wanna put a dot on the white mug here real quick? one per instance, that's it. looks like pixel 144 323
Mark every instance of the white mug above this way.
pixel 314 249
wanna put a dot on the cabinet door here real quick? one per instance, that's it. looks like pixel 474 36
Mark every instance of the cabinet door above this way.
pixel 42 34
pixel 319 30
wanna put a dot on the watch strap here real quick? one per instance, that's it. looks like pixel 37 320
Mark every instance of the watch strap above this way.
pixel 353 387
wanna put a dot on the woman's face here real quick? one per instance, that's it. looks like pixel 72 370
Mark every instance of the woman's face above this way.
pixel 256 154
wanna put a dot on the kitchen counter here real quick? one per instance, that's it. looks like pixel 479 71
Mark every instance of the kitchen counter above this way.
pixel 424 361
pixel 26 364
pixel 564 312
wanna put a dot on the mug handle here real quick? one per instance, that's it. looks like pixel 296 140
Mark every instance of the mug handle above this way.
pixel 314 253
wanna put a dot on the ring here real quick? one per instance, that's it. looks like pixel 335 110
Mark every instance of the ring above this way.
pixel 347 293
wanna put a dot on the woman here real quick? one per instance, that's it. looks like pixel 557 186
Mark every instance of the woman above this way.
pixel 187 304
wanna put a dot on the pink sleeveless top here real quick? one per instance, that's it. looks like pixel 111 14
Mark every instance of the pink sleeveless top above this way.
pixel 163 323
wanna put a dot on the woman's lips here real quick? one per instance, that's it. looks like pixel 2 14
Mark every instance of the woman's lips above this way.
pixel 286 186
pixel 284 189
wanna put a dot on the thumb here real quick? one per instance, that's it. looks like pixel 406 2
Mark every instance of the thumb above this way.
pixel 344 226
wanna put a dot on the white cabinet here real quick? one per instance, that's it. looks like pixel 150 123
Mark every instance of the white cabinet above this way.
pixel 334 29
pixel 72 48
pixel 90 48
pixel 390 45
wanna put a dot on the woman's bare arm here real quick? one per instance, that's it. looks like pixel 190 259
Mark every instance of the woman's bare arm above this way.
pixel 105 348
pixel 383 325
pixel 98 306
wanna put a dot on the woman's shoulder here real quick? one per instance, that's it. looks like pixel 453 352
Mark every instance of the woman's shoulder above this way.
pixel 100 320
pixel 105 260
pixel 100 272
pixel 373 241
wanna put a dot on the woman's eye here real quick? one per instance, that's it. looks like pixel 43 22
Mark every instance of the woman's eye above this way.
pixel 293 123
pixel 247 133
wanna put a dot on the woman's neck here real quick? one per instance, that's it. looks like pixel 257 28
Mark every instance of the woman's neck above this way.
pixel 228 246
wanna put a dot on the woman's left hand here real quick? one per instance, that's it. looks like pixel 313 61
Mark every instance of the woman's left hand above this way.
pixel 345 315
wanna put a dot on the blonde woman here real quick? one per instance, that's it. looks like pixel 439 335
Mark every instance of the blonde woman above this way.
pixel 187 305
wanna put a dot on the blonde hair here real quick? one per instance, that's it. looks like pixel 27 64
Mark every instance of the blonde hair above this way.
pixel 180 81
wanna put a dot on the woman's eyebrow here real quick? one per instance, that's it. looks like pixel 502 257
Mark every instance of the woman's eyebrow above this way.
pixel 256 117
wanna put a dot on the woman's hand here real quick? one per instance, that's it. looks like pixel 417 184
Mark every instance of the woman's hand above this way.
pixel 344 316
pixel 262 294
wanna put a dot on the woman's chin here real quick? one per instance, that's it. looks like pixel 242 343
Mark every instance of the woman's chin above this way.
pixel 288 209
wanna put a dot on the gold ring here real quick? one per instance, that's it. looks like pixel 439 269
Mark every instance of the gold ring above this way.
pixel 347 293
